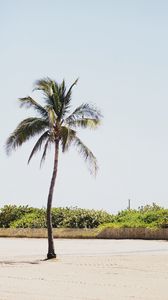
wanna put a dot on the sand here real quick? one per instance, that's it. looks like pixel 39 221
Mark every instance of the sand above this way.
pixel 84 270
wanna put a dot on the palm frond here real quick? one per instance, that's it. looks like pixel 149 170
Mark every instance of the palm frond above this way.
pixel 24 131
pixel 68 94
pixel 44 152
pixel 48 87
pixel 51 115
pixel 67 98
pixel 87 155
pixel 56 98
pixel 28 102
pixel 66 135
pixel 44 85
pixel 37 146
pixel 62 90
pixel 61 97
pixel 84 111
pixel 52 92
pixel 84 123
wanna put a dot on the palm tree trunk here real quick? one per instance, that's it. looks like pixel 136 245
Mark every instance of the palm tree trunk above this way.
pixel 51 251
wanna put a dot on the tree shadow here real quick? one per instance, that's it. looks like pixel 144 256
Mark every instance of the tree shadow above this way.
pixel 18 262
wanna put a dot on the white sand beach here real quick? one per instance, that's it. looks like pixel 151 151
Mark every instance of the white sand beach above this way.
pixel 84 270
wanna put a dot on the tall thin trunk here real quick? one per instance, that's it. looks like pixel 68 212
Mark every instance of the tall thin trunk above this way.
pixel 51 251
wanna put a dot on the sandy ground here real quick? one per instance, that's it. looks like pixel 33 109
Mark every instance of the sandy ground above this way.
pixel 84 270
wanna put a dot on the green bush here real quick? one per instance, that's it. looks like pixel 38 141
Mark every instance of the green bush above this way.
pixel 10 213
pixel 31 220
pixel 149 216
pixel 79 218
pixel 25 217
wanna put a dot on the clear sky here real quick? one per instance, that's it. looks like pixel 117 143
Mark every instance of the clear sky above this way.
pixel 119 50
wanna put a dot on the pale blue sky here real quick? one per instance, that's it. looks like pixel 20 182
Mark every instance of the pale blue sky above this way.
pixel 119 50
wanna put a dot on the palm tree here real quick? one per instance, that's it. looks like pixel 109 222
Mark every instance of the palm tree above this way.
pixel 56 126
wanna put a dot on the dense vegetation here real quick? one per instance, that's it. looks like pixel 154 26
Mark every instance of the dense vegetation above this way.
pixel 28 217
pixel 150 216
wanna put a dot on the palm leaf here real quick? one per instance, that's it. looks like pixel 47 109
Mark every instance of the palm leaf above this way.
pixel 29 102
pixel 56 98
pixel 68 94
pixel 62 90
pixel 87 155
pixel 67 98
pixel 67 135
pixel 24 131
pixel 51 116
pixel 61 93
pixel 44 152
pixel 38 144
pixel 52 91
pixel 84 123
pixel 84 111
pixel 44 85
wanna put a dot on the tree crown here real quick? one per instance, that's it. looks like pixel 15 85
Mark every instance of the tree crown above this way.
pixel 55 122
